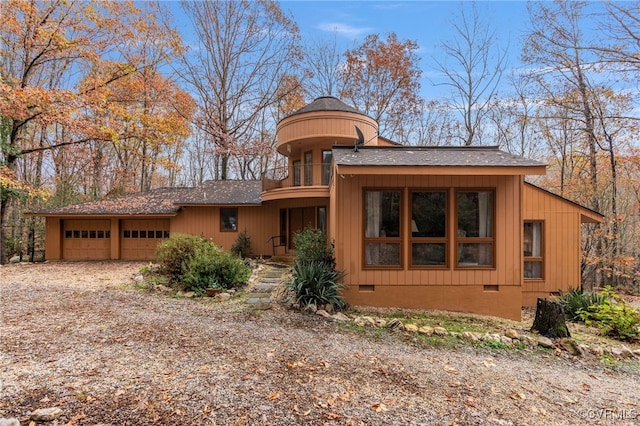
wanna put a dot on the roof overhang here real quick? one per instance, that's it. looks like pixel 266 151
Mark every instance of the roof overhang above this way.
pixel 404 170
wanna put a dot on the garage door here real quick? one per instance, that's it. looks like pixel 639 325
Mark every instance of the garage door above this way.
pixel 86 239
pixel 139 238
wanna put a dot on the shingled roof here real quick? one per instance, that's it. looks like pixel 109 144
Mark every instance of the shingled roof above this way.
pixel 223 192
pixel 326 103
pixel 155 202
pixel 486 156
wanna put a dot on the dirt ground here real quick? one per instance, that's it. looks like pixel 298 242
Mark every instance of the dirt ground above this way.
pixel 78 336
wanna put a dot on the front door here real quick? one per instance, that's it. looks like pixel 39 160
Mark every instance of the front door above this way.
pixel 299 219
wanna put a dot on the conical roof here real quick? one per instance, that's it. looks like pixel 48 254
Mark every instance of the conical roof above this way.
pixel 326 103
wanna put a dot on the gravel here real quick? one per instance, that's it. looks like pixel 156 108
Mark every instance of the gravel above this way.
pixel 78 336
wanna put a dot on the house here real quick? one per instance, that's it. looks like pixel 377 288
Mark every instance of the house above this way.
pixel 454 228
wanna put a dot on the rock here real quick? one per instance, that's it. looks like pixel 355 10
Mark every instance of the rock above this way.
pixel 15 259
pixel 471 336
pixel 365 320
pixel 455 334
pixel 616 352
pixel 380 323
pixel 411 328
pixel 46 414
pixel 311 307
pixel 625 352
pixel 491 337
pixel 323 313
pixel 426 330
pixel 596 350
pixel 512 334
pixel 9 422
pixel 440 331
pixel 529 341
pixel 506 340
pixel 545 342
pixel 189 294
pixel 138 278
pixel 223 297
pixel 395 324
pixel 340 317
pixel 571 346
pixel 637 353
pixel 328 308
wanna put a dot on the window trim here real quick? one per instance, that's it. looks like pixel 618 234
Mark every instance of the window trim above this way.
pixel 474 240
pixel 433 240
pixel 536 259
pixel 326 166
pixel 222 228
pixel 400 239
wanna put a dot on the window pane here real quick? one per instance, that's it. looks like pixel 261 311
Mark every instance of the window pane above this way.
pixel 428 254
pixel 229 219
pixel 85 234
pixel 533 239
pixel 127 234
pixel 296 173
pixel 76 234
pixel 134 234
pixel 429 214
pixel 475 254
pixel 382 214
pixel 143 234
pixel 100 234
pixel 92 234
pixel 67 234
pixel 387 254
pixel 533 269
pixel 308 171
pixel 326 167
pixel 475 214
pixel 158 234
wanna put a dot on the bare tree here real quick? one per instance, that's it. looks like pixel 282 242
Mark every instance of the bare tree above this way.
pixel 323 63
pixel 245 52
pixel 472 67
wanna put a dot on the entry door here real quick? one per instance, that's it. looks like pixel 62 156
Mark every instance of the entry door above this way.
pixel 299 219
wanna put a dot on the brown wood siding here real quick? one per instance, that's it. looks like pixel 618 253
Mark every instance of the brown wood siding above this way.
pixel 53 239
pixel 260 222
pixel 561 243
pixel 349 234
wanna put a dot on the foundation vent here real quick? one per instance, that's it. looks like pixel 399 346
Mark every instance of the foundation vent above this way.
pixel 367 288
pixel 491 287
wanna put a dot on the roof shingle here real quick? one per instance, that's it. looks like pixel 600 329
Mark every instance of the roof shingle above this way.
pixel 430 156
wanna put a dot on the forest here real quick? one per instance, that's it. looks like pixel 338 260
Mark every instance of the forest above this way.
pixel 101 98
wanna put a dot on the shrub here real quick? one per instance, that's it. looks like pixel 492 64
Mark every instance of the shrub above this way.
pixel 613 317
pixel 172 253
pixel 311 246
pixel 316 283
pixel 200 264
pixel 576 301
pixel 242 246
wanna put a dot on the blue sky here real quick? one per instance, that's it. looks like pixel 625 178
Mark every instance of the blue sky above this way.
pixel 426 22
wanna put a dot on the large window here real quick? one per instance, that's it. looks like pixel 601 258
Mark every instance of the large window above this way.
pixel 229 219
pixel 382 241
pixel 429 228
pixel 475 228
pixel 533 249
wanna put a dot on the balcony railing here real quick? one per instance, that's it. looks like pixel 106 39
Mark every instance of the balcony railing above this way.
pixel 314 174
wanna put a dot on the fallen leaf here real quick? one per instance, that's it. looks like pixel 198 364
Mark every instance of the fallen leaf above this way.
pixel 379 407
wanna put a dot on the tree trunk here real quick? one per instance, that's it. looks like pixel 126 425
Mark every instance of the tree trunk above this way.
pixel 550 320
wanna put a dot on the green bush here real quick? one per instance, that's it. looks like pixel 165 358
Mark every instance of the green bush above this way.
pixel 613 317
pixel 311 246
pixel 242 246
pixel 199 264
pixel 172 253
pixel 316 283
pixel 576 301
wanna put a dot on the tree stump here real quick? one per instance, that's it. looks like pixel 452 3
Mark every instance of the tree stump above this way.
pixel 550 320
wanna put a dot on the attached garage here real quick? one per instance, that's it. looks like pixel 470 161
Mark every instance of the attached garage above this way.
pixel 140 237
pixel 86 239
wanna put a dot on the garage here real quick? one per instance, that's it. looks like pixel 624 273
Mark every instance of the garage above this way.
pixel 86 239
pixel 140 237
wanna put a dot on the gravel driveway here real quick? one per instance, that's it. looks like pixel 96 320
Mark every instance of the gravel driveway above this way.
pixel 77 336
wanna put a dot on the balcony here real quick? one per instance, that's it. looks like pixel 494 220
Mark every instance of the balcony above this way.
pixel 298 180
